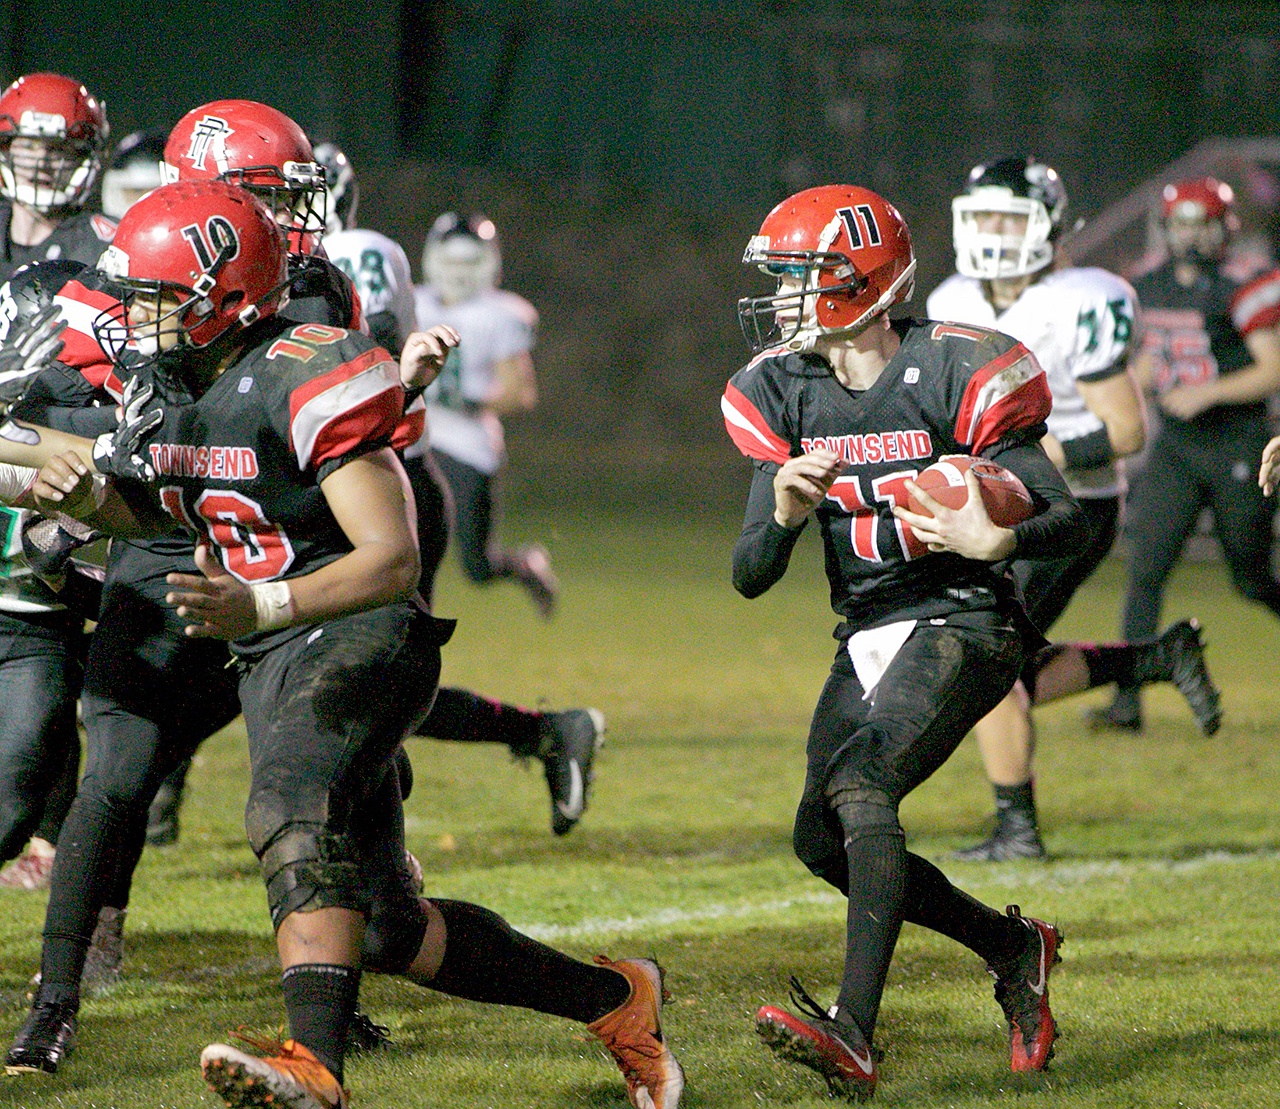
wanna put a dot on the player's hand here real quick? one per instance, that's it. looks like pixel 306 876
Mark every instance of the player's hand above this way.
pixel 218 606
pixel 27 349
pixel 1188 401
pixel 966 531
pixel 65 484
pixel 1268 471
pixel 424 355
pixel 801 485
pixel 122 451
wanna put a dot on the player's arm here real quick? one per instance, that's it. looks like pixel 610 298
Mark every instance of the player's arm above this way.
pixel 778 506
pixel 122 509
pixel 369 498
pixel 1114 399
pixel 515 388
pixel 23 444
pixel 1249 385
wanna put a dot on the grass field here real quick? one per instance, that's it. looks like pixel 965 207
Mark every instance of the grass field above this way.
pixel 1164 878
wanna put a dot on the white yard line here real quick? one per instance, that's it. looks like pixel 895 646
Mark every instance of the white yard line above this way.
pixel 1051 874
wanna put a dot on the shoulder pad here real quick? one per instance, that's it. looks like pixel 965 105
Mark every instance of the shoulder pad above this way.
pixel 1256 306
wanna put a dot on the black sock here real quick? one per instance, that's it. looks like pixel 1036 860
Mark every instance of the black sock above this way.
pixel 877 883
pixel 460 716
pixel 320 999
pixel 934 903
pixel 1016 799
pixel 1126 664
pixel 485 959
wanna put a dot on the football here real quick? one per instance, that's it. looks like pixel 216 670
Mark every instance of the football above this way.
pixel 1006 498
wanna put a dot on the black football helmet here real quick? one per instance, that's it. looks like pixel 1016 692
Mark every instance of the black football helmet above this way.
pixel 1010 186
pixel 32 288
pixel 344 190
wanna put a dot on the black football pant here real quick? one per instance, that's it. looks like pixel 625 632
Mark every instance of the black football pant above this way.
pixel 325 713
pixel 483 558
pixel 1182 477
pixel 40 671
pixel 864 757
pixel 151 695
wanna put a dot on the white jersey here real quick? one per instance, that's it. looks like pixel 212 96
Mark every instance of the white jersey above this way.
pixel 1079 325
pixel 379 270
pixel 493 326
pixel 20 590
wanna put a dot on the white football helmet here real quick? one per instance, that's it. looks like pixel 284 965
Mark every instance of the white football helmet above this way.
pixel 461 257
pixel 1014 187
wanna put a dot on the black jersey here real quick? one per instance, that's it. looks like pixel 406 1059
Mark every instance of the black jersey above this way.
pixel 79 238
pixel 242 466
pixel 948 390
pixel 1195 334
pixel 319 292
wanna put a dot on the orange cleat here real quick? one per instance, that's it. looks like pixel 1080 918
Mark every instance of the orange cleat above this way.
pixel 633 1035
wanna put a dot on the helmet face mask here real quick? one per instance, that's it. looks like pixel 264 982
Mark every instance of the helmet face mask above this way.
pixel 294 193
pixel 992 249
pixel 52 135
pixel 841 255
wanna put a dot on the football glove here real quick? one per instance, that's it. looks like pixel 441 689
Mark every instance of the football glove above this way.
pixel 29 347
pixel 121 452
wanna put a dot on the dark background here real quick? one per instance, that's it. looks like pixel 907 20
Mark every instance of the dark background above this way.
pixel 627 150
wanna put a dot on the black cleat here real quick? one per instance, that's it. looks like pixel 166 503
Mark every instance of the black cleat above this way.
pixel 48 1034
pixel 568 744
pixel 1183 650
pixel 1015 837
pixel 366 1035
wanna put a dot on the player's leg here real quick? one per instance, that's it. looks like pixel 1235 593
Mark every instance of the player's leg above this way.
pixel 1006 736
pixel 484 559
pixel 37 721
pixel 1160 513
pixel 1242 519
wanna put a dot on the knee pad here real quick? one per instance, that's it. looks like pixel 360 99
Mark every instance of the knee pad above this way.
pixel 393 936
pixel 864 810
pixel 306 868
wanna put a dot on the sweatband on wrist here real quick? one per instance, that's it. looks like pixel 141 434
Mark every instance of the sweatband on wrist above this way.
pixel 1087 451
pixel 15 481
pixel 272 605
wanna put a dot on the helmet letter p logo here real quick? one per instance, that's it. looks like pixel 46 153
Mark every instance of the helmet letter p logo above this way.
pixel 209 137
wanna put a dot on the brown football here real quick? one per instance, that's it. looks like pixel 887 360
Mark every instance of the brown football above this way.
pixel 1006 498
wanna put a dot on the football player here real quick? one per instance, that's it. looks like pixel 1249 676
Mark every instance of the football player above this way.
pixel 564 742
pixel 40 637
pixel 489 377
pixel 53 132
pixel 839 409
pixel 135 168
pixel 308 565
pixel 1211 357
pixel 1079 323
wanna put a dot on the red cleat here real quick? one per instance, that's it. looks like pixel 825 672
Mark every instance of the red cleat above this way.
pixel 1022 989
pixel 836 1050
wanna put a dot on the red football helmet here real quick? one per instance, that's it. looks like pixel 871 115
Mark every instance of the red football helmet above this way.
pixel 52 135
pixel 842 255
pixel 1202 197
pixel 257 147
pixel 196 259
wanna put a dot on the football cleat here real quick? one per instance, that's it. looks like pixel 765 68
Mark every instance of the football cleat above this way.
pixel 531 567
pixel 1022 989
pixel 1015 837
pixel 633 1035
pixel 366 1035
pixel 567 745
pixel 48 1034
pixel 1183 650
pixel 32 870
pixel 836 1049
pixel 292 1078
